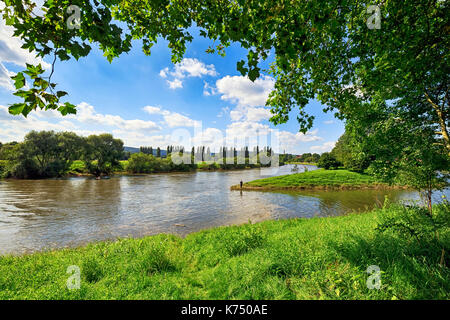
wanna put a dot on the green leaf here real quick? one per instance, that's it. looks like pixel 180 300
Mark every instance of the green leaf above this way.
pixel 61 94
pixel 67 108
pixel 17 108
pixel 241 69
pixel 19 80
pixel 253 74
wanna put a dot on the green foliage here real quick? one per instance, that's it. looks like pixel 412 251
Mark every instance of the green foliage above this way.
pixel 351 153
pixel 8 150
pixel 403 151
pixel 38 96
pixel 47 154
pixel 308 158
pixel 146 163
pixel 3 167
pixel 430 231
pixel 43 154
pixel 102 154
pixel 318 258
pixel 322 50
pixel 328 161
pixel 78 167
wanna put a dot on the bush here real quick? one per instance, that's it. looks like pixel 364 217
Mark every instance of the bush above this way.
pixel 430 231
pixel 141 163
pixel 328 161
pixel 3 168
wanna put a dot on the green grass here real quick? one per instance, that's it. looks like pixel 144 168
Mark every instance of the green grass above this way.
pixel 303 163
pixel 316 179
pixel 319 258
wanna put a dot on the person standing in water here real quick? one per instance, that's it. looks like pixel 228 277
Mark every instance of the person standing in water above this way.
pixel 241 184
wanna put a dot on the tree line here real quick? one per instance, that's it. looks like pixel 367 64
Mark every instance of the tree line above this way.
pixel 47 154
pixel 150 161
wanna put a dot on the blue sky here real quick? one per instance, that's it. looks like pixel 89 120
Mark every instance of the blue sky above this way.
pixel 149 101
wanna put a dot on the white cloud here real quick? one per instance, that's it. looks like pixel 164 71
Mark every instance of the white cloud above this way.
pixel 188 67
pixel 87 114
pixel 223 111
pixel 178 120
pixel 5 78
pixel 326 147
pixel 191 67
pixel 329 122
pixel 250 133
pixel 163 73
pixel 175 84
pixel 172 119
pixel 14 128
pixel 208 90
pixel 250 114
pixel 243 91
pixel 293 141
pixel 210 137
pixel 11 51
pixel 154 110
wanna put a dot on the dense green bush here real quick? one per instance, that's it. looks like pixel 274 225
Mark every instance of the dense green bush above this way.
pixel 351 153
pixel 102 154
pixel 47 154
pixel 328 161
pixel 3 167
pixel 146 163
pixel 430 231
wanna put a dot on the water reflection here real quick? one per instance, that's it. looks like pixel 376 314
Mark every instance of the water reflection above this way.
pixel 35 215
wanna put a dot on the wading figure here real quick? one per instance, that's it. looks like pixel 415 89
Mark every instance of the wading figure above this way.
pixel 241 184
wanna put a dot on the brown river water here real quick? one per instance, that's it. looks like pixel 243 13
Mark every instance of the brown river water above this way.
pixel 45 214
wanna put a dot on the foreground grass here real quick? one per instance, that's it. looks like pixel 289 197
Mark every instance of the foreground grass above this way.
pixel 320 258
pixel 316 179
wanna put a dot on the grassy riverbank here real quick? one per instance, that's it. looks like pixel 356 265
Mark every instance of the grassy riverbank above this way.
pixel 303 163
pixel 320 258
pixel 316 179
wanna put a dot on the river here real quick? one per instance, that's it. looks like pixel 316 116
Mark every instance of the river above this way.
pixel 43 214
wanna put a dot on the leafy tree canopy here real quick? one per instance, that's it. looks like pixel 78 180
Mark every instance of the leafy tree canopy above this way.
pixel 331 50
pixel 328 161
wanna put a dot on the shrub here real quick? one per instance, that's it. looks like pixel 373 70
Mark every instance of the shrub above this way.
pixel 141 163
pixel 431 231
pixel 328 161
pixel 3 168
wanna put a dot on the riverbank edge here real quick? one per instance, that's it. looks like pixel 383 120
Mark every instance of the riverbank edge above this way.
pixel 323 187
pixel 335 184
pixel 248 261
pixel 130 174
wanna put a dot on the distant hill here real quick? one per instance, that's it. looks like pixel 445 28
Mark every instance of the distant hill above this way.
pixel 131 149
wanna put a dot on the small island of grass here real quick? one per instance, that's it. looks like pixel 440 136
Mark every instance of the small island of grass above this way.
pixel 317 179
